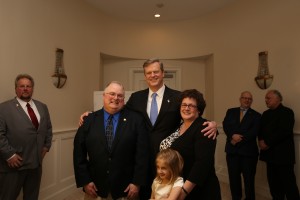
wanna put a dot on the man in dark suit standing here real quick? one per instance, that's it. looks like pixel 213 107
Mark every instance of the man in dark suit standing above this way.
pixel 241 126
pixel 277 148
pixel 168 112
pixel 25 137
pixel 111 149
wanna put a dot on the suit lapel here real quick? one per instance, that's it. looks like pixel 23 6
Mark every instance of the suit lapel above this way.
pixel 164 105
pixel 40 110
pixel 121 126
pixel 144 102
pixel 99 124
pixel 21 111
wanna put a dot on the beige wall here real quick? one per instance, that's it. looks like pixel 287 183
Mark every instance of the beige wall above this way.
pixel 31 30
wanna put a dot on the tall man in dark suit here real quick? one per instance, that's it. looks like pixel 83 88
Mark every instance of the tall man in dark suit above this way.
pixel 25 137
pixel 112 168
pixel 241 126
pixel 277 148
pixel 168 118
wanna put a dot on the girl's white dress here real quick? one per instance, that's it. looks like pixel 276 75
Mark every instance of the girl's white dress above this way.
pixel 163 190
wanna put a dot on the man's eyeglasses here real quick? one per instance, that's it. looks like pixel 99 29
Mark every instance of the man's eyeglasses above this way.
pixel 113 95
pixel 247 98
pixel 188 106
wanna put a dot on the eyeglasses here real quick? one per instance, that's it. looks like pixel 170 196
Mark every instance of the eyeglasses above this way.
pixel 188 106
pixel 247 98
pixel 113 95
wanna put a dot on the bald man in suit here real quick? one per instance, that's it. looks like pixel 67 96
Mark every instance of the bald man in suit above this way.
pixel 241 126
pixel 23 142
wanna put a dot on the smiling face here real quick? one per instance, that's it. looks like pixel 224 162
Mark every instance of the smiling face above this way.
pixel 163 171
pixel 113 98
pixel 154 76
pixel 246 100
pixel 188 109
pixel 24 89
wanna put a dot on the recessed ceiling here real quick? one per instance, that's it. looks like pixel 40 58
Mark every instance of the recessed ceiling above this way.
pixel 170 10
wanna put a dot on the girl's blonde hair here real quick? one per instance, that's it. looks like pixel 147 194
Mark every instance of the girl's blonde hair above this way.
pixel 173 160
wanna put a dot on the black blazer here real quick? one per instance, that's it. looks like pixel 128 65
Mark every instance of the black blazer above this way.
pixel 198 153
pixel 248 127
pixel 128 161
pixel 168 118
pixel 277 132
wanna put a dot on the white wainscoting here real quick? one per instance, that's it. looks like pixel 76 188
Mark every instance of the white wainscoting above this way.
pixel 261 184
pixel 58 175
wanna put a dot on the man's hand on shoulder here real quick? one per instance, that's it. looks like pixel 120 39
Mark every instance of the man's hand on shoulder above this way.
pixel 211 130
pixel 81 119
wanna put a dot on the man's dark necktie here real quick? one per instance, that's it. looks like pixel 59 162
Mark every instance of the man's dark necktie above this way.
pixel 33 118
pixel 109 132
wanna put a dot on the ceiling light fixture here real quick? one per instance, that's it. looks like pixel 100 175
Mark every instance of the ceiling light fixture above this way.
pixel 159 5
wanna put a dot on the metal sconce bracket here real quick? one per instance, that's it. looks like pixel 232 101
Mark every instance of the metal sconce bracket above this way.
pixel 59 78
pixel 263 79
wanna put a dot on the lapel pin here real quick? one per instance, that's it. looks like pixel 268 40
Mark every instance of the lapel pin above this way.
pixel 124 119
pixel 168 101
pixel 17 105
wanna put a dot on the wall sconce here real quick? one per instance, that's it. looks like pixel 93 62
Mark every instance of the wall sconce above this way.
pixel 59 77
pixel 263 79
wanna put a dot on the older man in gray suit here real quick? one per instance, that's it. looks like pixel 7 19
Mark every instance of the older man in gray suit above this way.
pixel 25 137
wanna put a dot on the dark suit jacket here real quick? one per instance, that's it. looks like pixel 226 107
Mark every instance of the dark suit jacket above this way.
pixel 18 135
pixel 277 132
pixel 128 161
pixel 168 118
pixel 248 127
pixel 198 154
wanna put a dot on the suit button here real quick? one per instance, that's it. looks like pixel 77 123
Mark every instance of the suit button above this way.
pixel 107 171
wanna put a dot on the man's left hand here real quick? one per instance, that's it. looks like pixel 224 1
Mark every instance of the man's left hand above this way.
pixel 133 191
pixel 211 130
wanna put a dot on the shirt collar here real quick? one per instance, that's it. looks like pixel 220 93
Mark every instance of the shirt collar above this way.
pixel 159 92
pixel 24 103
pixel 115 116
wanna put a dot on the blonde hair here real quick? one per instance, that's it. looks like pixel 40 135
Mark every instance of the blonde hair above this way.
pixel 173 160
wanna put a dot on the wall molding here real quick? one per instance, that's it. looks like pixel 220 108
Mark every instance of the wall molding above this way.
pixel 58 179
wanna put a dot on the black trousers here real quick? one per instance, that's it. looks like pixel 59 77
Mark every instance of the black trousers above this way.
pixel 282 182
pixel 239 166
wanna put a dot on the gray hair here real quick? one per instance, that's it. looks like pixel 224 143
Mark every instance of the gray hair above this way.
pixel 21 76
pixel 277 93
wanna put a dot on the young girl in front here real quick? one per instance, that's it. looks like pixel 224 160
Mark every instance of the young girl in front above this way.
pixel 167 183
